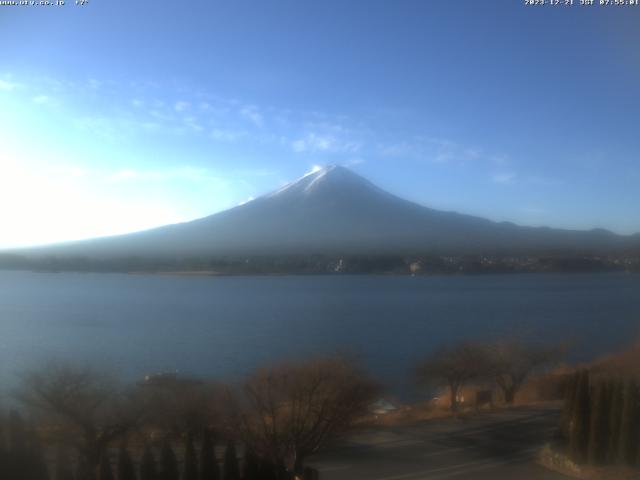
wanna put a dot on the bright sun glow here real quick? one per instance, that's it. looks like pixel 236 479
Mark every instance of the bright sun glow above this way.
pixel 49 204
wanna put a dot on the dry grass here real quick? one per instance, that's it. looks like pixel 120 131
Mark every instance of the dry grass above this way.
pixel 623 363
pixel 558 461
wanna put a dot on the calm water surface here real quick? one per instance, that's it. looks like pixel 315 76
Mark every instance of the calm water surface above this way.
pixel 224 326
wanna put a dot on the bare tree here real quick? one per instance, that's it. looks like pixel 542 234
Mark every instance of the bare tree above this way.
pixel 290 411
pixel 453 367
pixel 511 362
pixel 181 405
pixel 81 404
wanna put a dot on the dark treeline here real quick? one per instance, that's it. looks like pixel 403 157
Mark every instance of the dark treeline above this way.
pixel 601 419
pixel 325 264
pixel 21 453
pixel 83 425
pixel 23 458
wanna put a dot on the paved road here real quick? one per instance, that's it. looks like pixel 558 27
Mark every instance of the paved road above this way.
pixel 491 446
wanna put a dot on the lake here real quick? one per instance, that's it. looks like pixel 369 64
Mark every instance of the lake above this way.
pixel 224 326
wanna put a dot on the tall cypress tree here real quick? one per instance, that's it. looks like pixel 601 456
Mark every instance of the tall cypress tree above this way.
pixel 190 460
pixel 230 469
pixel 310 473
pixel 615 418
pixel 36 466
pixel 17 433
pixel 126 469
pixel 611 385
pixel 209 469
pixel 282 473
pixel 628 446
pixel 104 469
pixel 168 463
pixel 16 446
pixel 148 469
pixel 63 465
pixel 83 470
pixel 569 402
pixel 26 457
pixel 251 469
pixel 579 439
pixel 267 471
pixel 4 452
pixel 599 429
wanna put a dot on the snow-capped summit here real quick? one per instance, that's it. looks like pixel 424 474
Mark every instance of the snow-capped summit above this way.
pixel 334 210
pixel 328 179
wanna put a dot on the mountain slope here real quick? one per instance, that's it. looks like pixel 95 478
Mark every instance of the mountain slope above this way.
pixel 335 210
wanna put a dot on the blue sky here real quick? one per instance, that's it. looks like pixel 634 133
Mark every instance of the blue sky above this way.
pixel 118 116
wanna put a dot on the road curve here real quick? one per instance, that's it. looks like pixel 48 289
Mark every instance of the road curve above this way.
pixel 492 446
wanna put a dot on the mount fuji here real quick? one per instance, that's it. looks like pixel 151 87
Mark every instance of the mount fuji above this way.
pixel 336 211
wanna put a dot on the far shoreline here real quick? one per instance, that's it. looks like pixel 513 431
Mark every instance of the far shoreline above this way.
pixel 213 273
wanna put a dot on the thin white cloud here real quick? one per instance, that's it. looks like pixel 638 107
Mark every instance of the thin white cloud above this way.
pixel 144 109
pixel 324 143
pixel 447 151
pixel 192 123
pixel 105 127
pixel 44 100
pixel 160 115
pixel 402 149
pixel 499 160
pixel 504 178
pixel 444 155
pixel 313 142
pixel 181 106
pixel 225 119
pixel 299 146
pixel 226 135
pixel 473 152
pixel 252 113
pixel 437 150
pixel 8 86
